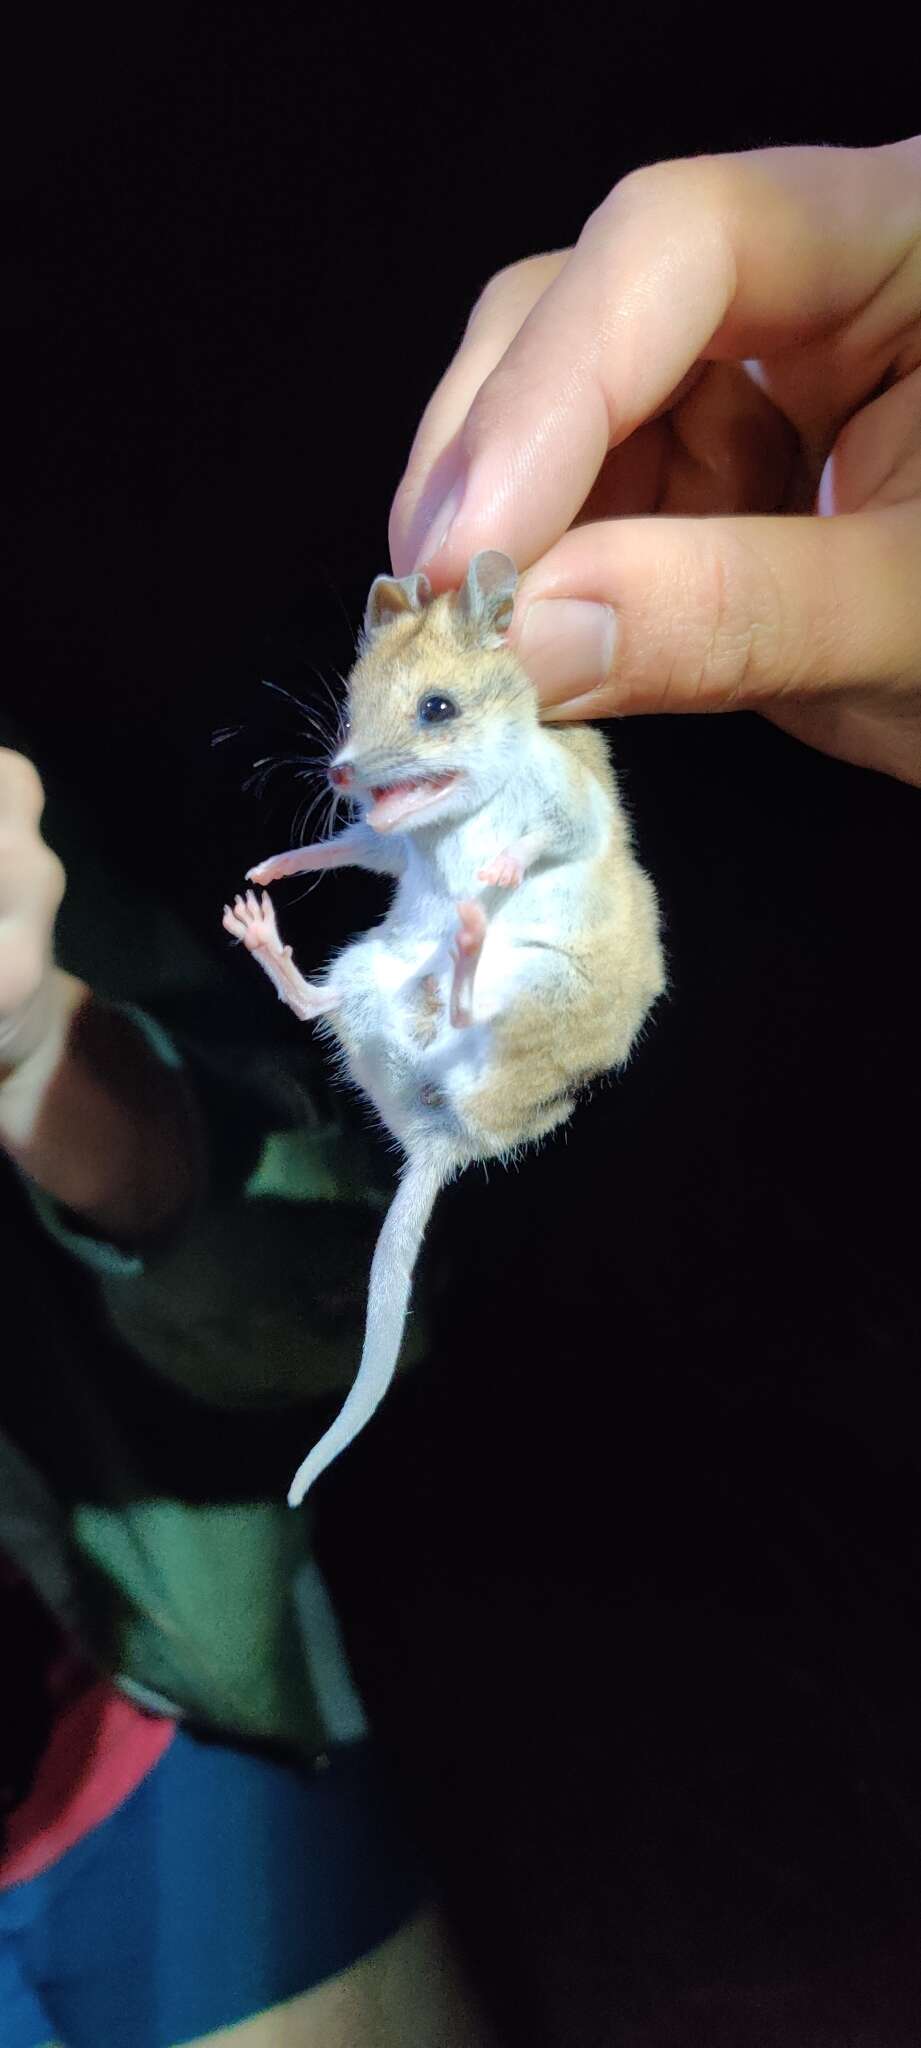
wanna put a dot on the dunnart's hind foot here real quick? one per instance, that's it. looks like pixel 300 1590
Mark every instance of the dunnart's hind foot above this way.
pixel 465 953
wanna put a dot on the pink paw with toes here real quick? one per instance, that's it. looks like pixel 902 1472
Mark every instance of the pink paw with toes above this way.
pixel 265 871
pixel 253 922
pixel 505 872
pixel 466 948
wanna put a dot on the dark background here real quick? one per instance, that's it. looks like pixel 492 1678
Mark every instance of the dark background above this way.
pixel 631 1572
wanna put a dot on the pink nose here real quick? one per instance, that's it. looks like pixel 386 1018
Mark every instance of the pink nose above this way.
pixel 341 778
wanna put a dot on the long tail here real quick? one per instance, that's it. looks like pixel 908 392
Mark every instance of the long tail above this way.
pixel 389 1289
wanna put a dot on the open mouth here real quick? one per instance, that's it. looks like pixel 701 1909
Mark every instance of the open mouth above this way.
pixel 395 801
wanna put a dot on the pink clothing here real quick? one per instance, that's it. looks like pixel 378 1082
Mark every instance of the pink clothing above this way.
pixel 100 1749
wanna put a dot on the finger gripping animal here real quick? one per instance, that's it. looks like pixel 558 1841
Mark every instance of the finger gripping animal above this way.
pixel 521 952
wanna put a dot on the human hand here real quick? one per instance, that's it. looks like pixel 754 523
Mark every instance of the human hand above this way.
pixel 31 887
pixel 699 434
pixel 87 1109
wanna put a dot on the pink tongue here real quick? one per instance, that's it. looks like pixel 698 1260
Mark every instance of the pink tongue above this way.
pixel 402 798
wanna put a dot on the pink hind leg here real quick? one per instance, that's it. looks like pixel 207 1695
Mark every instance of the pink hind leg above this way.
pixel 254 924
pixel 465 953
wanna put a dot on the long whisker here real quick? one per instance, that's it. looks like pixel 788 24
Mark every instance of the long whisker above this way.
pixel 325 719
pixel 304 812
pixel 326 685
pixel 309 712
pixel 322 731
pixel 267 766
pixel 334 710
pixel 281 692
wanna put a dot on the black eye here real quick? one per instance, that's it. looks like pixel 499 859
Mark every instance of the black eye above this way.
pixel 437 710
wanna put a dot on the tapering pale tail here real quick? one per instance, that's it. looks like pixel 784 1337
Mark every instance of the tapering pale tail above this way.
pixel 389 1289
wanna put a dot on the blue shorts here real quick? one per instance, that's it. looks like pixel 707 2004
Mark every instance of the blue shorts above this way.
pixel 227 1883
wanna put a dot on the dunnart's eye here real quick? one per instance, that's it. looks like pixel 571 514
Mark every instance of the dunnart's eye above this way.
pixel 436 710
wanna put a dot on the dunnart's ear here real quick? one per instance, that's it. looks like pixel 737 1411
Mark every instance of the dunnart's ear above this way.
pixel 391 597
pixel 486 601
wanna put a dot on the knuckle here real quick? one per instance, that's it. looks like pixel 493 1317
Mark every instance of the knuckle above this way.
pixel 685 207
pixel 22 794
pixel 690 179
pixel 30 873
pixel 492 295
pixel 507 285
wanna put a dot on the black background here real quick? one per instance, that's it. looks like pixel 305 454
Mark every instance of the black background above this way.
pixel 631 1572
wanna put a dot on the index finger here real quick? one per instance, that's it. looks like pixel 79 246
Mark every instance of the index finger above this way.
pixel 737 256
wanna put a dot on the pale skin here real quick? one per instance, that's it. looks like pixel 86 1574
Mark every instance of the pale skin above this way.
pixel 88 1115
pixel 698 432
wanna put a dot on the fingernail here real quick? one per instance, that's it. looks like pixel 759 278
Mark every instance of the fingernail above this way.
pixel 825 497
pixel 567 645
pixel 593 705
pixel 438 528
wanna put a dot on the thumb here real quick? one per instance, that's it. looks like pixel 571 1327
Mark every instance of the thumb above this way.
pixel 642 615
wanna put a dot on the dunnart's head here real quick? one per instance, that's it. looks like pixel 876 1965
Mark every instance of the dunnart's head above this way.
pixel 439 708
